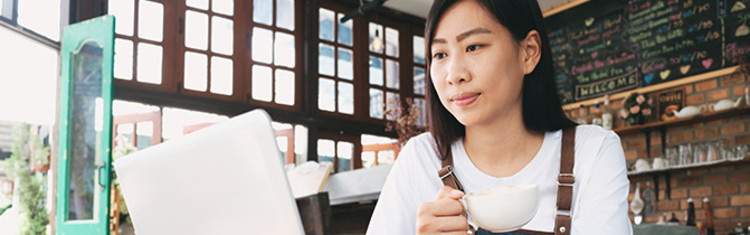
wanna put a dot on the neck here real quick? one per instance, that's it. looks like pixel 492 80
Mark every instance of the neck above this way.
pixel 502 147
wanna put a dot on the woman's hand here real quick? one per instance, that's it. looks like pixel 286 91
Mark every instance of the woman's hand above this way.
pixel 444 215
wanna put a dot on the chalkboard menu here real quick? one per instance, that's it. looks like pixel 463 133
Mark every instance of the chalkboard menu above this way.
pixel 608 46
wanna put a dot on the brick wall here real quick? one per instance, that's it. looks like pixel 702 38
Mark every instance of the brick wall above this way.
pixel 728 186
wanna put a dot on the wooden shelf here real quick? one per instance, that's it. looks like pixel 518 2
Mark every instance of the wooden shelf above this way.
pixel 689 167
pixel 703 117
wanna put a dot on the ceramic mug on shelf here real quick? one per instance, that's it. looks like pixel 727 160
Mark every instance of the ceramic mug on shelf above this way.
pixel 502 209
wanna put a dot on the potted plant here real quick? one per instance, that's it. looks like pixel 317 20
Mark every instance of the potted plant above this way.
pixel 636 108
pixel 39 155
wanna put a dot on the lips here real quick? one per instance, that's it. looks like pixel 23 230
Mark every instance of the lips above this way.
pixel 465 99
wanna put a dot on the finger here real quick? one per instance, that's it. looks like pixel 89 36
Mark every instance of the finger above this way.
pixel 448 192
pixel 450 224
pixel 447 207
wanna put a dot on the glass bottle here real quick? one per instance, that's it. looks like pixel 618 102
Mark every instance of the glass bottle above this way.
pixel 581 115
pixel 690 217
pixel 606 115
pixel 636 205
pixel 596 118
pixel 649 201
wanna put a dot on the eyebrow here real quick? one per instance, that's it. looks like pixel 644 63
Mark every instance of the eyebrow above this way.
pixel 463 35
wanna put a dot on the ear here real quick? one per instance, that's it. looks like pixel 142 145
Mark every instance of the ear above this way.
pixel 531 51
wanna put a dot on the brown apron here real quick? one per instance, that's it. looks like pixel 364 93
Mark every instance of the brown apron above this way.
pixel 565 182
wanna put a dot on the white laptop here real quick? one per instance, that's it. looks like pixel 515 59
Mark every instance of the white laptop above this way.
pixel 224 179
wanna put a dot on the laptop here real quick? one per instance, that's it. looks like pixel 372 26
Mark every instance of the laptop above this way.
pixel 227 178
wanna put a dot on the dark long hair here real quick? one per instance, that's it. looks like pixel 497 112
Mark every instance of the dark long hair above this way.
pixel 542 110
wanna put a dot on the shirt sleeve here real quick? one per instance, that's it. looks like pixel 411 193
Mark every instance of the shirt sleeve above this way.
pixel 396 209
pixel 603 206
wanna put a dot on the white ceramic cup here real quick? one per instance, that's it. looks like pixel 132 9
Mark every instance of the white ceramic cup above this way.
pixel 502 209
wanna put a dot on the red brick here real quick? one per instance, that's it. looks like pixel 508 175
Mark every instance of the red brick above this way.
pixel 738 90
pixel 683 136
pixel 718 94
pixel 700 192
pixel 732 80
pixel 745 139
pixel 697 172
pixel 739 177
pixel 631 155
pixel 733 128
pixel 706 133
pixel 690 181
pixel 636 144
pixel 722 227
pixel 695 99
pixel 725 213
pixel 743 200
pixel 745 212
pixel 728 189
pixel 745 188
pixel 714 179
pixel 668 205
pixel 706 85
pixel 719 201
pixel 678 193
pixel 722 169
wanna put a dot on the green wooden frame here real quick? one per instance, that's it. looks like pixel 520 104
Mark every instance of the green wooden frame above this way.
pixel 100 30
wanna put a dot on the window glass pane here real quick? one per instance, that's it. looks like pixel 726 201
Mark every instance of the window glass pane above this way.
pixel 345 30
pixel 284 50
pixel 123 59
pixel 196 71
pixel 124 12
pixel 346 98
pixel 262 78
pixel 263 11
pixel 143 132
pixel 326 150
pixel 419 81
pixel 326 95
pixel 285 14
pixel 150 20
pixel 376 37
pixel 175 120
pixel 225 7
pixel 376 103
pixel 391 42
pixel 325 60
pixel 200 4
pixel 196 30
pixel 391 73
pixel 368 159
pixel 149 63
pixel 221 75
pixel 392 104
pixel 284 87
pixel 326 24
pixel 346 69
pixel 222 35
pixel 386 157
pixel 344 153
pixel 421 121
pixel 262 45
pixel 41 16
pixel 419 50
pixel 376 71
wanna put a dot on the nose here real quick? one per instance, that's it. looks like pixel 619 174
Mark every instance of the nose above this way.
pixel 457 72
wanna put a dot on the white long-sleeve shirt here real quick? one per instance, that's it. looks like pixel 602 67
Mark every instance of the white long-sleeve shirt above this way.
pixel 599 193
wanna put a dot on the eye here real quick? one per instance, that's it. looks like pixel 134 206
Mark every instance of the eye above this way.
pixel 473 48
pixel 438 55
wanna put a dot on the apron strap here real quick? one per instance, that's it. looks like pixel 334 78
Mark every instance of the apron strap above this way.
pixel 565 181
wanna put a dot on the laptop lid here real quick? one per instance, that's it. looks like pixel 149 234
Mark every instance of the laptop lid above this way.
pixel 224 179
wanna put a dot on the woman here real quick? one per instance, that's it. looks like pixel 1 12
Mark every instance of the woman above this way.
pixel 494 112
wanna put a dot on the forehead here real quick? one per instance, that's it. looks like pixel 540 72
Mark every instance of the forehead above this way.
pixel 463 16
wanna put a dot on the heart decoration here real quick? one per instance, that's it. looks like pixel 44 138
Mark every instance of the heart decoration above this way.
pixel 684 69
pixel 589 21
pixel 664 74
pixel 594 54
pixel 707 63
pixel 648 78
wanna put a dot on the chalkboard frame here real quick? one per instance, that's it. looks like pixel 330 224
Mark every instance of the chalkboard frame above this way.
pixel 643 90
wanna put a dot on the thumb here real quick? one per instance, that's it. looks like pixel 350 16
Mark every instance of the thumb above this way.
pixel 448 192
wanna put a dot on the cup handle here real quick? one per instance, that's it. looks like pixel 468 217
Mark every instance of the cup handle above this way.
pixel 473 225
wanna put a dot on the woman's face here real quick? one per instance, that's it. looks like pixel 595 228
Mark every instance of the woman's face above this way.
pixel 477 67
